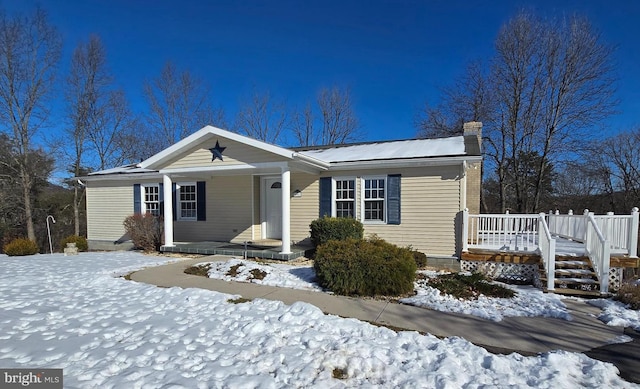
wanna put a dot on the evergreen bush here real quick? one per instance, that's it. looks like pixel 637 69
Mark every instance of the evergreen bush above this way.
pixel 80 241
pixel 20 247
pixel 335 228
pixel 146 231
pixel 370 267
pixel 420 258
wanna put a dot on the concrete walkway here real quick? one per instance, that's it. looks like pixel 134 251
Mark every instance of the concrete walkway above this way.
pixel 524 335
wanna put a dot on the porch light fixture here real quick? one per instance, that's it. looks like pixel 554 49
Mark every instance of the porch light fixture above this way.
pixel 297 193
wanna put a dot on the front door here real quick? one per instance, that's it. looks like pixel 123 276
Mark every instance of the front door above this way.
pixel 273 208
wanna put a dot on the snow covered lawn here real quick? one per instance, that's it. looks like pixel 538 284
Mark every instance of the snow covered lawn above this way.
pixel 105 332
pixel 277 274
pixel 529 301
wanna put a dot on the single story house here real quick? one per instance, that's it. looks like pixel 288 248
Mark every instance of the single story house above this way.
pixel 217 185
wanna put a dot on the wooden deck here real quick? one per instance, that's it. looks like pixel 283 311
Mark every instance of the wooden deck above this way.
pixel 484 255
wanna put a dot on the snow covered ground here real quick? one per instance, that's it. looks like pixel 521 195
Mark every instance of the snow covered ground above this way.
pixel 105 332
pixel 528 302
pixel 277 274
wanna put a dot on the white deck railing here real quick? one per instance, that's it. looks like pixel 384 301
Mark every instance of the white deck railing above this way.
pixel 568 226
pixel 621 231
pixel 602 236
pixel 547 251
pixel 598 249
pixel 500 232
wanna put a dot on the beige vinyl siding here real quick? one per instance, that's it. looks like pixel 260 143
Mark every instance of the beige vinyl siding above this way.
pixel 234 154
pixel 304 209
pixel 229 214
pixel 430 206
pixel 108 204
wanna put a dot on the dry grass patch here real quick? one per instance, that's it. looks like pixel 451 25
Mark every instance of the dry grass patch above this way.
pixel 629 293
pixel 339 373
pixel 467 287
pixel 198 270
pixel 258 274
pixel 233 271
pixel 239 300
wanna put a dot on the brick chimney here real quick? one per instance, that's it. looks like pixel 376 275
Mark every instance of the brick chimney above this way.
pixel 474 128
pixel 474 171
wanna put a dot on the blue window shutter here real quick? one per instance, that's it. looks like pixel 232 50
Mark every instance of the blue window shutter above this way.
pixel 201 206
pixel 325 196
pixel 393 199
pixel 137 201
pixel 161 198
pixel 174 207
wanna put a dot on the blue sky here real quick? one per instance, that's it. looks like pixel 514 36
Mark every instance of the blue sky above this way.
pixel 393 55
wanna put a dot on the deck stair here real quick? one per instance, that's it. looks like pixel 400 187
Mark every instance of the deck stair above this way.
pixel 574 276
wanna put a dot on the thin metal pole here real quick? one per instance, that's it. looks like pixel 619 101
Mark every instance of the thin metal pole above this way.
pixel 49 232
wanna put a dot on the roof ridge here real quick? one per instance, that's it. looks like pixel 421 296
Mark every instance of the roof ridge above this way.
pixel 324 147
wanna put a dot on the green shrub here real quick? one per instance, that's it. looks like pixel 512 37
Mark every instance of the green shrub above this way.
pixel 145 231
pixel 80 241
pixel 20 246
pixel 335 228
pixel 369 267
pixel 420 258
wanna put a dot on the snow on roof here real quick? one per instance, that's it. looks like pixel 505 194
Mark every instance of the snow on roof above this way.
pixel 126 169
pixel 412 148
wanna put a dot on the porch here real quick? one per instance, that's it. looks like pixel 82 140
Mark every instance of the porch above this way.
pixel 581 252
pixel 268 249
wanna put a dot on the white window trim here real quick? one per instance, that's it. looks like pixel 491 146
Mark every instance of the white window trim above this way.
pixel 143 203
pixel 179 216
pixel 362 200
pixel 334 210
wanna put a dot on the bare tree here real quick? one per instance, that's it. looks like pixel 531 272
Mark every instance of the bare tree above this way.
pixel 112 132
pixel 469 99
pixel 86 81
pixel 303 129
pixel 179 105
pixel 548 84
pixel 29 52
pixel 98 117
pixel 262 118
pixel 339 122
pixel 336 123
pixel 553 81
pixel 616 160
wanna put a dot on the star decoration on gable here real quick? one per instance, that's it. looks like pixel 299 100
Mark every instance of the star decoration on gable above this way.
pixel 216 152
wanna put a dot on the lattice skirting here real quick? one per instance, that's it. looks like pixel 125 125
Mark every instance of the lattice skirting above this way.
pixel 504 271
pixel 615 277
pixel 525 272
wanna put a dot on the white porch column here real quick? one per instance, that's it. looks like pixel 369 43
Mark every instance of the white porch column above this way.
pixel 286 211
pixel 633 233
pixel 168 210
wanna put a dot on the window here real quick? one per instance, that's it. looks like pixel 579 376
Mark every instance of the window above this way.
pixel 345 197
pixel 151 194
pixel 187 202
pixel 374 199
